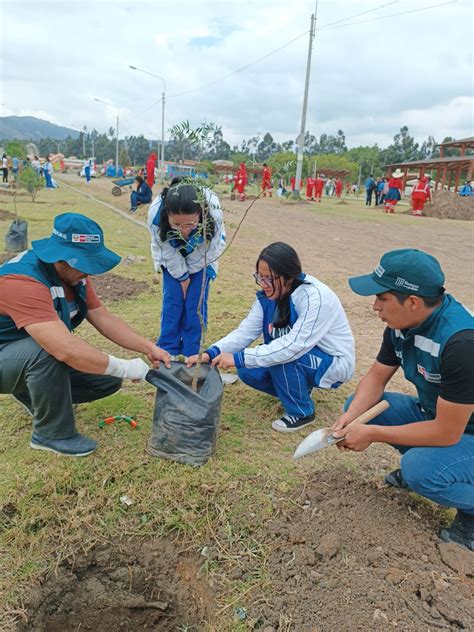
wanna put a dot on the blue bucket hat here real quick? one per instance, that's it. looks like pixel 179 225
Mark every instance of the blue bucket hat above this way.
pixel 79 241
pixel 407 270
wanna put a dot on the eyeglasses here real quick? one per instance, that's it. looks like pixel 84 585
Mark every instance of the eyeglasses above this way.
pixel 264 280
pixel 185 225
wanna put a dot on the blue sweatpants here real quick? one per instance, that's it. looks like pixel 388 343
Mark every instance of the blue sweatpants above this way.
pixel 180 327
pixel 291 382
pixel 445 474
pixel 138 198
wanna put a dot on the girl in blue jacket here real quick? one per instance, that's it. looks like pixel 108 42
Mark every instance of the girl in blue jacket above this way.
pixel 307 340
pixel 187 238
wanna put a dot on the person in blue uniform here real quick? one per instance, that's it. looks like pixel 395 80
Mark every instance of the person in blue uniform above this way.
pixel 187 237
pixel 142 195
pixel 307 341
pixel 431 336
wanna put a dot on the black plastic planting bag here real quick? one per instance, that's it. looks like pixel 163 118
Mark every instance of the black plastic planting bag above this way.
pixel 185 422
pixel 16 239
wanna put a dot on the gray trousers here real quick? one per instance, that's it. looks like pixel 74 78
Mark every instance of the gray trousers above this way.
pixel 49 388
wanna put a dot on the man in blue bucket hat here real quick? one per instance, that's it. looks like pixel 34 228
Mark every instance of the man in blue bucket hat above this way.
pixel 431 337
pixel 45 293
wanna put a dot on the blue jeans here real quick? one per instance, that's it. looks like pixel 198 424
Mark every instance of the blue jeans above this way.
pixel 48 181
pixel 445 474
pixel 291 382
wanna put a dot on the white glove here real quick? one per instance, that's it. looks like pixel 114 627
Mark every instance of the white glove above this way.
pixel 134 369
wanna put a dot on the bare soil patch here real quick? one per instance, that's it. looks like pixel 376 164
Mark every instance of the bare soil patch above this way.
pixel 134 586
pixel 357 555
pixel 112 287
pixel 447 204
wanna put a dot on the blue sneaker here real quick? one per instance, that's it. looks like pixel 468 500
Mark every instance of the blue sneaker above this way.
pixel 78 445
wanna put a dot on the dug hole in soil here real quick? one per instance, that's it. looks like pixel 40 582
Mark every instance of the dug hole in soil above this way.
pixel 131 585
pixel 359 555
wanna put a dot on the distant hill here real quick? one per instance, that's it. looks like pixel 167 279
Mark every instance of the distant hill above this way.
pixel 31 128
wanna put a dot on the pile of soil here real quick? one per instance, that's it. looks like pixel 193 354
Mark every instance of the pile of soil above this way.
pixel 111 287
pixel 139 585
pixel 447 204
pixel 359 555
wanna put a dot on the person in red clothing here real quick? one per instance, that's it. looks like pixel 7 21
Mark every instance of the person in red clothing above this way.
pixel 310 188
pixel 318 189
pixel 420 195
pixel 395 183
pixel 241 181
pixel 266 180
pixel 150 170
pixel 338 186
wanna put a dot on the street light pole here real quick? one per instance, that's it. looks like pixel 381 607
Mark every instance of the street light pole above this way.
pixel 163 99
pixel 117 135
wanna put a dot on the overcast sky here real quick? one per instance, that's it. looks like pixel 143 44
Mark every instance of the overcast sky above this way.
pixel 368 79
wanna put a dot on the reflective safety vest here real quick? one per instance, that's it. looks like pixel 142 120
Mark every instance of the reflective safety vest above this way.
pixel 28 264
pixel 422 187
pixel 420 349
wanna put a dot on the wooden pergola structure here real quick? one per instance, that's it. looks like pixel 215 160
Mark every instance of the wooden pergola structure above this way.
pixel 334 173
pixel 462 144
pixel 448 169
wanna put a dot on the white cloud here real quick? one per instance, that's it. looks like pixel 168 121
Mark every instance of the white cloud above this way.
pixel 368 79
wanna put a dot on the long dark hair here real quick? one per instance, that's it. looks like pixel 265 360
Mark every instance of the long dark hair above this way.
pixel 181 198
pixel 140 180
pixel 284 262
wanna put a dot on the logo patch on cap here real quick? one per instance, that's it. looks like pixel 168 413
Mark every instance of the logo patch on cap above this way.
pixel 379 270
pixel 401 282
pixel 78 238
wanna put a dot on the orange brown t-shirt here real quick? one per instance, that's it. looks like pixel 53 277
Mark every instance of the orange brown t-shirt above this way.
pixel 28 301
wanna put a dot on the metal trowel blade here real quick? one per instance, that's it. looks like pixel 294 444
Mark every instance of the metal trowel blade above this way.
pixel 315 441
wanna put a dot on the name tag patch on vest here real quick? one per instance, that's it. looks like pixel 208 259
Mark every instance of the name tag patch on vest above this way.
pixel 429 377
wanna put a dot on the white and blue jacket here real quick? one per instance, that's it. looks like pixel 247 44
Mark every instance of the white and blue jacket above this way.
pixel 317 319
pixel 196 254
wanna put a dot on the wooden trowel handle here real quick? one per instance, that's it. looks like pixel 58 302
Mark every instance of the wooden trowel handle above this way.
pixel 370 414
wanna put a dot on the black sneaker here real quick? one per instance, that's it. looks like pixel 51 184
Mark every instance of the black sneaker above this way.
pixel 461 531
pixel 395 479
pixel 290 423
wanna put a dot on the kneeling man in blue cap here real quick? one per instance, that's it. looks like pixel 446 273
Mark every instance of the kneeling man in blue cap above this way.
pixel 45 293
pixel 431 337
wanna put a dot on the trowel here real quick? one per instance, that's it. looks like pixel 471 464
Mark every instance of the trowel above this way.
pixel 323 437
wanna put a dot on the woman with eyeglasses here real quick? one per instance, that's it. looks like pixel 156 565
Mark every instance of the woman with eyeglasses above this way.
pixel 307 340
pixel 187 238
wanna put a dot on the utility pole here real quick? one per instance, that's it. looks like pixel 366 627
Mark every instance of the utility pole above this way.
pixel 299 164
pixel 84 132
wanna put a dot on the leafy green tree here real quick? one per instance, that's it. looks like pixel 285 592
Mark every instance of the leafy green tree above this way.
pixel 124 158
pixel 336 161
pixel 266 147
pixel 369 159
pixel 403 148
pixel 29 180
pixel 15 149
pixel 218 149
pixel 138 148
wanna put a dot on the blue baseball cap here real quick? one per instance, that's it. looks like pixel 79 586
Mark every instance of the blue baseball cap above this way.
pixel 79 241
pixel 407 270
